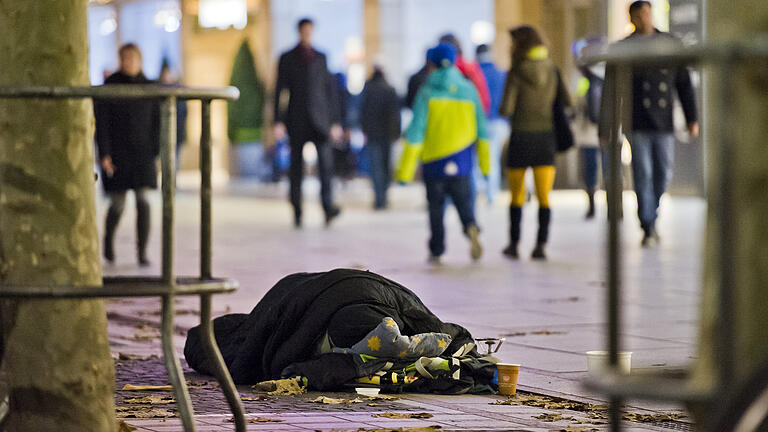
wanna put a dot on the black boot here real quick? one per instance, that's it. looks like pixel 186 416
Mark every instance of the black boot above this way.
pixel 591 198
pixel 142 231
pixel 541 239
pixel 113 218
pixel 515 214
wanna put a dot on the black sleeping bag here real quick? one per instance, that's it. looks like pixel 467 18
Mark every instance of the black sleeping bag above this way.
pixel 287 324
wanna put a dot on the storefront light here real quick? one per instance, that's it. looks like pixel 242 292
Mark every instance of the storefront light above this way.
pixel 168 19
pixel 482 32
pixel 223 14
pixel 107 26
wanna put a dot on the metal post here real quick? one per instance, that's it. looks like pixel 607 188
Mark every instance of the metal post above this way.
pixel 217 362
pixel 168 158
pixel 726 227
pixel 173 367
pixel 614 196
pixel 205 192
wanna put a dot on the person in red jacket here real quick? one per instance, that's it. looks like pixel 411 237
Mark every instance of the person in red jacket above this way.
pixel 471 70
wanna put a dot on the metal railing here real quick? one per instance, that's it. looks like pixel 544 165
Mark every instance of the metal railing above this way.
pixel 167 285
pixel 725 57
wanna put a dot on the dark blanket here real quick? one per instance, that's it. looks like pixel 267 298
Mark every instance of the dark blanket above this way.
pixel 286 325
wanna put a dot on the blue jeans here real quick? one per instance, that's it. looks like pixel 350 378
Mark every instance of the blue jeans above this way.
pixel 653 155
pixel 589 156
pixel 381 176
pixel 459 189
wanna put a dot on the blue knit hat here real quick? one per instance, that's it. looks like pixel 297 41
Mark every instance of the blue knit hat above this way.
pixel 443 55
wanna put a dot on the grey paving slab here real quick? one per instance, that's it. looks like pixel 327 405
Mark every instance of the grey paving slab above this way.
pixel 255 243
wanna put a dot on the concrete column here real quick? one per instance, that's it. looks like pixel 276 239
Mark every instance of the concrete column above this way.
pixel 746 253
pixel 372 31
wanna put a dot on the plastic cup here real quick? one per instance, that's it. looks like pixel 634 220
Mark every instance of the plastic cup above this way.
pixel 508 378
pixel 597 362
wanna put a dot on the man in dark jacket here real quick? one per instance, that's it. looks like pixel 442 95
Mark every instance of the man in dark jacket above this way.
pixel 127 135
pixel 312 115
pixel 414 84
pixel 651 133
pixel 380 119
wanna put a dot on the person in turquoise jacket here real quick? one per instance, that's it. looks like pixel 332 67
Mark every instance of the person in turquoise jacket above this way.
pixel 448 134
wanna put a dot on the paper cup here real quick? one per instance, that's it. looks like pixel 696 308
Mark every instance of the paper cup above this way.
pixel 597 362
pixel 508 378
pixel 367 391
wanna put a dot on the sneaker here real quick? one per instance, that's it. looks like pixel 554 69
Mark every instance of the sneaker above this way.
pixel 539 253
pixel 434 260
pixel 511 251
pixel 475 248
pixel 143 261
pixel 650 238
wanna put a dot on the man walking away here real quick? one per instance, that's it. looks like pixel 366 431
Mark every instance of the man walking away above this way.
pixel 651 135
pixel 447 121
pixel 380 119
pixel 312 116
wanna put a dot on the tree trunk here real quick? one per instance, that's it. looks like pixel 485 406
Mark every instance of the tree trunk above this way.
pixel 747 129
pixel 60 373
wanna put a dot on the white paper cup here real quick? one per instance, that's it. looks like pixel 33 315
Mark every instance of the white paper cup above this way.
pixel 597 362
pixel 367 391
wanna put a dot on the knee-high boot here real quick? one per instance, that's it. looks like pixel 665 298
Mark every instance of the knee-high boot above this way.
pixel 142 230
pixel 515 215
pixel 545 215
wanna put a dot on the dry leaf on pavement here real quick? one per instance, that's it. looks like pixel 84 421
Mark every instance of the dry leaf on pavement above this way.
pixel 280 387
pixel 333 401
pixel 151 399
pixel 256 420
pixel 143 412
pixel 132 387
pixel 403 415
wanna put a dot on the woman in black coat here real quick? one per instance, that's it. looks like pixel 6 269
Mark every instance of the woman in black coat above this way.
pixel 127 135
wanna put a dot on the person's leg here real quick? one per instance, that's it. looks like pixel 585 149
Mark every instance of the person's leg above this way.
pixel 544 178
pixel 589 157
pixel 516 177
pixel 500 134
pixel 325 173
pixel 436 204
pixel 663 163
pixel 386 162
pixel 143 218
pixel 115 211
pixel 642 173
pixel 460 190
pixel 296 175
pixel 376 153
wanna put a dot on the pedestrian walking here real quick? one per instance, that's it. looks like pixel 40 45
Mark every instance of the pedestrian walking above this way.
pixel 651 134
pixel 498 126
pixel 588 117
pixel 380 121
pixel 127 136
pixel 532 85
pixel 448 120
pixel 312 116
pixel 415 82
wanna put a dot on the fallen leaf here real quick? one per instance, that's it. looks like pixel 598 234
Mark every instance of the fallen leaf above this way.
pixel 127 356
pixel 256 420
pixel 131 387
pixel 547 332
pixel 516 334
pixel 125 427
pixel 403 415
pixel 151 399
pixel 287 386
pixel 651 418
pixel 203 385
pixel 257 398
pixel 146 333
pixel 579 429
pixel 551 417
pixel 333 401
pixel 382 397
pixel 143 412
pixel 401 429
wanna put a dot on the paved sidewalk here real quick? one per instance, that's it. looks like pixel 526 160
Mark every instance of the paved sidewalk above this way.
pixel 550 313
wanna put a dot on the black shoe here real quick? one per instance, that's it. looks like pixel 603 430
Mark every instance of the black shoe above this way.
pixel 297 222
pixel 109 251
pixel 539 253
pixel 650 238
pixel 143 261
pixel 331 214
pixel 591 197
pixel 511 251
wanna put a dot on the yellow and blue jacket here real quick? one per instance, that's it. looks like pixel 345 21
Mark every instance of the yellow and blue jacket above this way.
pixel 447 121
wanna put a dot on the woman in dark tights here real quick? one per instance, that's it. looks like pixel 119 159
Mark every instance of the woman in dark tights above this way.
pixel 127 134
